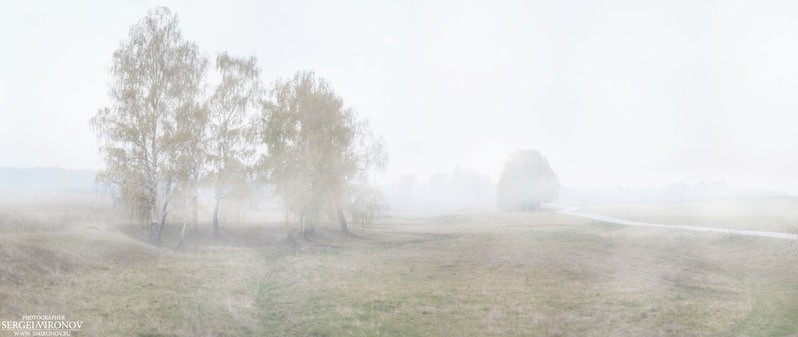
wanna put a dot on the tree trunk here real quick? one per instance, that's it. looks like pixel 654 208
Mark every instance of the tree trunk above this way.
pixel 182 235
pixel 216 217
pixel 195 209
pixel 302 224
pixel 342 220
pixel 289 227
pixel 306 223
pixel 184 220
pixel 153 234
pixel 163 223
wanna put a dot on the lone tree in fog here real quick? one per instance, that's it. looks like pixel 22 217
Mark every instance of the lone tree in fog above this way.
pixel 527 180
pixel 230 130
pixel 144 135
pixel 320 154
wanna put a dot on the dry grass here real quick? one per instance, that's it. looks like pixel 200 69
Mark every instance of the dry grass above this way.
pixel 487 274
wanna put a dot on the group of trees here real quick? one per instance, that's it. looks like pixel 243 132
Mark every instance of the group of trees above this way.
pixel 166 137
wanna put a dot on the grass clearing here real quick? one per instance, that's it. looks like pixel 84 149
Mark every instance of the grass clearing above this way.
pixel 488 274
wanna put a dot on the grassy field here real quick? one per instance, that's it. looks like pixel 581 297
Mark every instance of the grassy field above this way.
pixel 470 274
pixel 764 214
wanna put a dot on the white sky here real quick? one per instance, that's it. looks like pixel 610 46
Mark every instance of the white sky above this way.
pixel 613 92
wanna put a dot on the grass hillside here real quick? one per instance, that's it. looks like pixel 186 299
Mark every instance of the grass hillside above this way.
pixel 491 274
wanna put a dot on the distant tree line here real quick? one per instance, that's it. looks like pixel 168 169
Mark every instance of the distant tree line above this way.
pixel 459 189
pixel 167 135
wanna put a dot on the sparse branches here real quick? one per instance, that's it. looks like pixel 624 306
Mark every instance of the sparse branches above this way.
pixel 230 147
pixel 319 151
pixel 147 147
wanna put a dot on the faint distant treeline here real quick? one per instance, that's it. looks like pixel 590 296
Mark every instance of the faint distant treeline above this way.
pixel 441 192
pixel 47 178
pixel 526 181
pixel 671 192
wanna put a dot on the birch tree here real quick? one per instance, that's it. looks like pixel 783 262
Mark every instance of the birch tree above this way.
pixel 156 78
pixel 230 130
pixel 190 165
pixel 319 151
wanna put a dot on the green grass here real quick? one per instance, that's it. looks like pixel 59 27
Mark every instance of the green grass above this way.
pixel 520 274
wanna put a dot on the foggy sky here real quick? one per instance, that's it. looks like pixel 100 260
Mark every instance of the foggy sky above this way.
pixel 612 92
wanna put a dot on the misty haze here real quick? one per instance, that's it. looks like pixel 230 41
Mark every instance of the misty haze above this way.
pixel 438 168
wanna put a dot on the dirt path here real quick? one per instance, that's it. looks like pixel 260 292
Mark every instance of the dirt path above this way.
pixel 574 211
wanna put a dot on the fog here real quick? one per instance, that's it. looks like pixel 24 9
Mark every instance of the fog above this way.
pixel 612 93
pixel 376 168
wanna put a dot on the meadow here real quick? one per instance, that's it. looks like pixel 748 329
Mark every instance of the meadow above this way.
pixel 470 273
